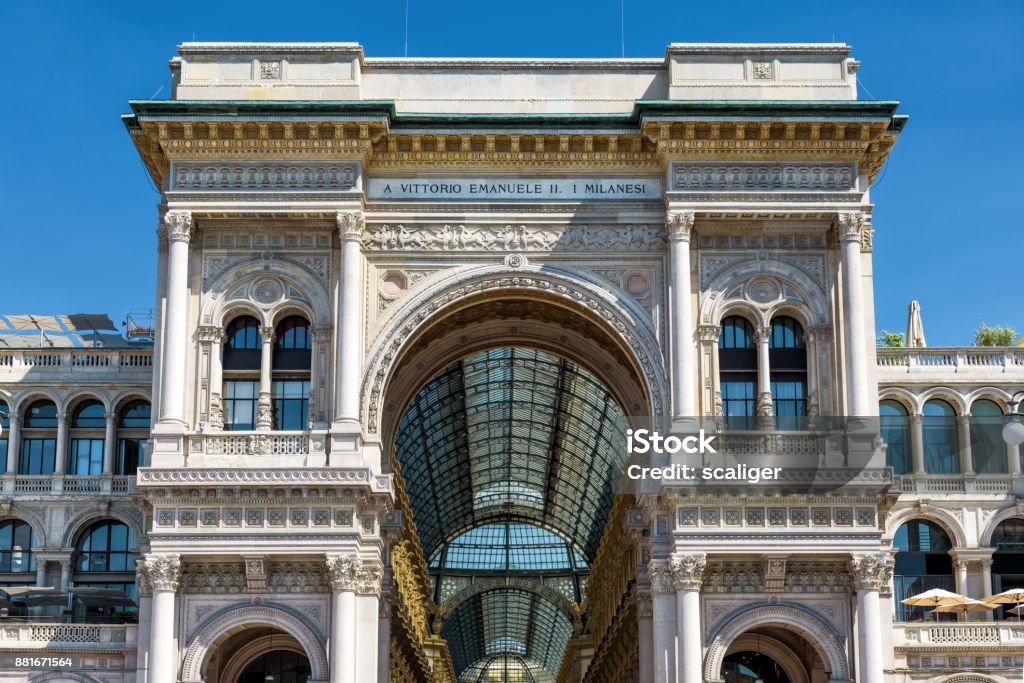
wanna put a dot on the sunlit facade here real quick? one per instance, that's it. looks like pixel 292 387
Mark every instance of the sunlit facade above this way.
pixel 407 310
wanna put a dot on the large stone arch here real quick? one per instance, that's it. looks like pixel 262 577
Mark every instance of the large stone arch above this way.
pixel 942 517
pixel 1003 514
pixel 797 619
pixel 621 321
pixel 969 678
pixel 797 293
pixel 63 677
pixel 775 649
pixel 234 666
pixel 264 286
pixel 235 619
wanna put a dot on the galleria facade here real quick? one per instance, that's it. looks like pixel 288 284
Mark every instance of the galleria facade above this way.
pixel 406 311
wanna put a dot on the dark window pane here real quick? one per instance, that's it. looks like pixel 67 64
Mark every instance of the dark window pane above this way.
pixel 90 415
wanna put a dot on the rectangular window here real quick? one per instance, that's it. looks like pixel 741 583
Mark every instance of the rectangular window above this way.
pixel 291 404
pixel 37 456
pixel 738 403
pixel 789 402
pixel 86 457
pixel 129 455
pixel 241 398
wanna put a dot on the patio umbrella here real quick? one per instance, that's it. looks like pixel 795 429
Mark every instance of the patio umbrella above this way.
pixel 915 328
pixel 936 597
pixel 965 607
pixel 35 596
pixel 1014 596
pixel 101 597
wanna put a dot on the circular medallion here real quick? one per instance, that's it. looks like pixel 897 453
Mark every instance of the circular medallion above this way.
pixel 267 291
pixel 763 291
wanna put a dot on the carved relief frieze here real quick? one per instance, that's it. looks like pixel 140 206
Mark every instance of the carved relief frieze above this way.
pixel 756 177
pixel 816 577
pixel 399 237
pixel 261 177
pixel 714 263
pixel 733 577
pixel 216 263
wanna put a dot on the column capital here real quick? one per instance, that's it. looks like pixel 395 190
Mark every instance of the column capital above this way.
pixel 644 606
pixel 822 334
pixel 762 334
pixel 161 572
pixel 659 573
pixel 679 224
pixel 688 571
pixel 177 226
pixel 343 572
pixel 210 333
pixel 267 334
pixel 350 225
pixel 872 572
pixel 709 332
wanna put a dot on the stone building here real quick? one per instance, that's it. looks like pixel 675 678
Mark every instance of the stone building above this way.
pixel 407 309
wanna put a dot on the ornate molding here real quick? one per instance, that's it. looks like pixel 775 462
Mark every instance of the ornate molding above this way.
pixel 854 226
pixel 688 571
pixel 761 177
pixel 210 333
pixel 872 572
pixel 261 177
pixel 161 572
pixel 659 573
pixel 386 237
pixel 178 226
pixel 344 572
pixel 680 224
pixel 350 225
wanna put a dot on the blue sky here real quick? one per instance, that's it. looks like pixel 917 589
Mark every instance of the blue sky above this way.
pixel 78 211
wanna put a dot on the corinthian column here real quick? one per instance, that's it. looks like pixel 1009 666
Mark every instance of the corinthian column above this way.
pixel 687 577
pixel 849 225
pixel 161 573
pixel 765 408
pixel 664 608
pixel 368 589
pixel 178 230
pixel 871 574
pixel 344 573
pixel 680 225
pixel 350 309
pixel 264 414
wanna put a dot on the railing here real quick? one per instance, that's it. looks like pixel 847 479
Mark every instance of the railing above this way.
pixel 41 635
pixel 959 634
pixel 67 484
pixel 959 483
pixel 958 359
pixel 76 360
pixel 257 443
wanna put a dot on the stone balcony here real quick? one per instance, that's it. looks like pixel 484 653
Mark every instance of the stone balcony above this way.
pixel 43 486
pixel 967 484
pixel 945 363
pixel 259 448
pixel 75 364
pixel 993 647
pixel 46 637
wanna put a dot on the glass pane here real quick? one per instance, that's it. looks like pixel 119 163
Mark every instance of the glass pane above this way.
pixel 136 415
pixel 243 333
pixel 86 457
pixel 90 415
pixel 41 415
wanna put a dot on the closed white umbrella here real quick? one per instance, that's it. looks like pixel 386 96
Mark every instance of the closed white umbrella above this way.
pixel 915 328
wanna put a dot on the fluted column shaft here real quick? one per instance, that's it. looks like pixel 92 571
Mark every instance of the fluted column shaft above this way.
pixel 350 308
pixel 871 574
pixel 850 225
pixel 663 607
pixel 162 573
pixel 178 229
pixel 687 575
pixel 680 225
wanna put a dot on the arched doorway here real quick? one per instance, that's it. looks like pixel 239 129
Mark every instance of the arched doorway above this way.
pixel 276 666
pixel 751 667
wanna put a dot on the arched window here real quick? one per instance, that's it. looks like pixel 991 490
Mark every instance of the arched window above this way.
pixel 922 563
pixel 16 547
pixel 787 358
pixel 988 450
pixel 242 358
pixel 290 378
pixel 85 454
pixel 941 444
pixel 105 558
pixel 737 362
pixel 1020 448
pixel 1008 559
pixel 5 424
pixel 895 428
pixel 39 439
pixel 132 436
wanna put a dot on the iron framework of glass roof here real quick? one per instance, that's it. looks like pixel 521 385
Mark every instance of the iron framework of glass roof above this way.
pixel 510 458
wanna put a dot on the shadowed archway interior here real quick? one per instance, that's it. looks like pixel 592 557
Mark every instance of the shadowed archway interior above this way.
pixel 510 458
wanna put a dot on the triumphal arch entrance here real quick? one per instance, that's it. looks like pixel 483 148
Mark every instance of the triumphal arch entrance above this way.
pixel 408 312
